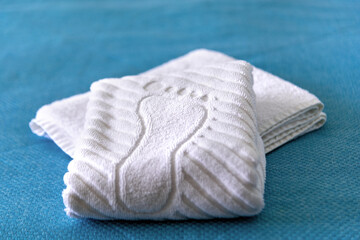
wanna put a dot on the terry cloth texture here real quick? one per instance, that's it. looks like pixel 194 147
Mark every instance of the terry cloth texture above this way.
pixel 177 146
pixel 179 141
pixel 284 111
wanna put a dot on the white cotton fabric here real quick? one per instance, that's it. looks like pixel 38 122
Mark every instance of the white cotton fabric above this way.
pixel 284 111
pixel 184 140
pixel 174 146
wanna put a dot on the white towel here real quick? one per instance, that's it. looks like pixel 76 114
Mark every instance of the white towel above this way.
pixel 176 146
pixel 284 111
pixel 179 141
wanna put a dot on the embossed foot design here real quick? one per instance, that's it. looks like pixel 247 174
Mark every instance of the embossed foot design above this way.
pixel 181 145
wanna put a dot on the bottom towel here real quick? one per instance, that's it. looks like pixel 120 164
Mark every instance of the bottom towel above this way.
pixel 179 141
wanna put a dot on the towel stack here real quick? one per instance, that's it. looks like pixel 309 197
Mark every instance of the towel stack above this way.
pixel 184 140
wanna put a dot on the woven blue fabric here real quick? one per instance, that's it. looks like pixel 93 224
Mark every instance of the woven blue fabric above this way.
pixel 52 50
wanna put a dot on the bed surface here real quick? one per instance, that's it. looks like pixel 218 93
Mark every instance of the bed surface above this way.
pixel 52 50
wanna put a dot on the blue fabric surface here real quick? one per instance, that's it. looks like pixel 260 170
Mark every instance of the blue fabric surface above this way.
pixel 51 50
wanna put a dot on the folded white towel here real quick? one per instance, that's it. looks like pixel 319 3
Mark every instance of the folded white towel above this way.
pixel 179 141
pixel 284 111
pixel 175 146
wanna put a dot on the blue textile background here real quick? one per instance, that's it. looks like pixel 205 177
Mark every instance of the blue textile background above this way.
pixel 53 49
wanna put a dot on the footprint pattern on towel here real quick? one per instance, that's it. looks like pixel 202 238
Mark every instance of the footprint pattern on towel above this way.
pixel 176 146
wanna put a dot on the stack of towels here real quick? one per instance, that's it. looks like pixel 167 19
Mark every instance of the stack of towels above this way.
pixel 184 140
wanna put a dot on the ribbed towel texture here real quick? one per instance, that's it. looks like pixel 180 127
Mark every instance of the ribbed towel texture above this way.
pixel 184 140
